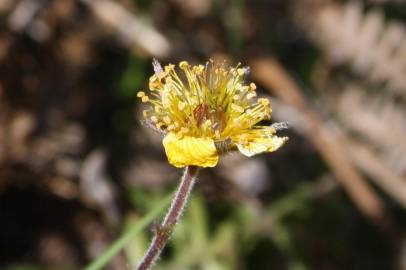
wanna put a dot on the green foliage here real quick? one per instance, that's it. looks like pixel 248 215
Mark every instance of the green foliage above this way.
pixel 133 78
pixel 129 234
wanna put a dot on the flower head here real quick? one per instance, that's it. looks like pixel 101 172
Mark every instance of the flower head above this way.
pixel 207 111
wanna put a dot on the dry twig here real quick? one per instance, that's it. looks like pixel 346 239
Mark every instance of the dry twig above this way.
pixel 363 156
pixel 130 27
pixel 269 73
pixel 383 176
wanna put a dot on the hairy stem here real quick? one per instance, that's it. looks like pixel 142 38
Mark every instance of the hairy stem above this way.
pixel 164 231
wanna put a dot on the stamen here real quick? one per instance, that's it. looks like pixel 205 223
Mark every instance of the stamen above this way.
pixel 237 108
pixel 263 101
pixel 181 105
pixel 217 134
pixel 184 130
pixel 244 88
pixel 167 120
pixel 169 68
pixel 158 109
pixel 251 95
pixel 145 99
pixel 154 119
pixel 183 64
pixel 241 72
pixel 208 123
pixel 198 69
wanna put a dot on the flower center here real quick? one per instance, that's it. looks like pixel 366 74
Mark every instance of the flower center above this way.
pixel 204 112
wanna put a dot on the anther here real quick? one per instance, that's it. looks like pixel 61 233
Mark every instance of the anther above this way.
pixel 145 99
pixel 251 95
pixel 241 72
pixel 158 109
pixel 183 64
pixel 167 119
pixel 181 105
pixel 263 101
pixel 169 67
pixel 154 119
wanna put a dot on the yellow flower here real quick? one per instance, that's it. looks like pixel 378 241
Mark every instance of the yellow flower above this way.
pixel 207 111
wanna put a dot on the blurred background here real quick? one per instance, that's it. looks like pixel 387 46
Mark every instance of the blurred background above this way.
pixel 77 167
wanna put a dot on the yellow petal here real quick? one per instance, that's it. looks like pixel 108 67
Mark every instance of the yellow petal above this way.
pixel 189 150
pixel 261 145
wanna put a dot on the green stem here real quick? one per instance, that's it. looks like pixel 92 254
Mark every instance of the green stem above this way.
pixel 120 243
